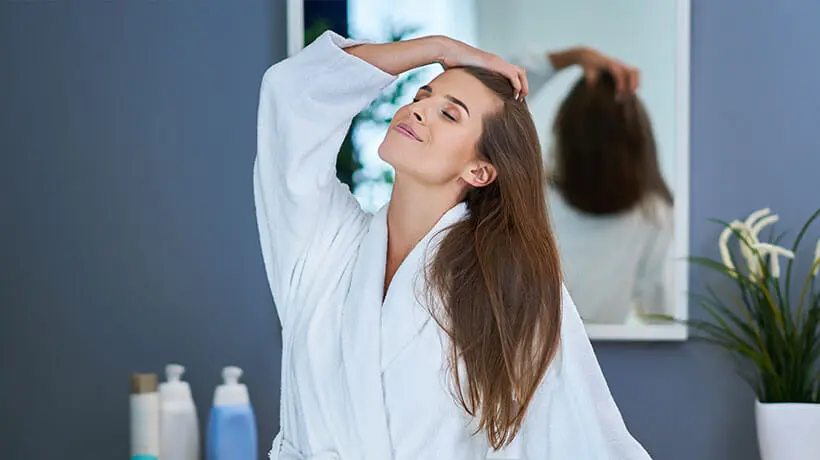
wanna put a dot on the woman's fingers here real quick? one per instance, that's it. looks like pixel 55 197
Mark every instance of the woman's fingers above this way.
pixel 517 77
pixel 525 84
pixel 467 55
pixel 635 80
pixel 621 78
pixel 627 79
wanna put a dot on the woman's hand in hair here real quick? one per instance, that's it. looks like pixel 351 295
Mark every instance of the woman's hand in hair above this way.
pixel 398 57
pixel 627 77
pixel 456 53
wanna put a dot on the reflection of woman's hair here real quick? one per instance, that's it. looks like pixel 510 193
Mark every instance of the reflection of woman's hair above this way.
pixel 606 159
pixel 498 276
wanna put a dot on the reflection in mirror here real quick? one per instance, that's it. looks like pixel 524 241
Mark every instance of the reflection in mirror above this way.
pixel 617 166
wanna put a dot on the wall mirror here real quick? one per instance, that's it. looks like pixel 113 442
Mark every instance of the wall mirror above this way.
pixel 616 267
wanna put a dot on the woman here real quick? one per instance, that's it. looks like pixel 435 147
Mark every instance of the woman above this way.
pixel 610 207
pixel 437 328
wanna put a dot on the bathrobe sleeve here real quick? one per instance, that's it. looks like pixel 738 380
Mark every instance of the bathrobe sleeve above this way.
pixel 573 415
pixel 304 214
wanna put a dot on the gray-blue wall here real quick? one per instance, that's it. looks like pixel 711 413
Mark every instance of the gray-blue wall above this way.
pixel 127 235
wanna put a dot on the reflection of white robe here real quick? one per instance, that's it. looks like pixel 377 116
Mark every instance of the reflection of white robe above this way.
pixel 624 256
pixel 361 378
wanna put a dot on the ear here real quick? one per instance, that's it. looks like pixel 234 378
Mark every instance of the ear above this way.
pixel 480 174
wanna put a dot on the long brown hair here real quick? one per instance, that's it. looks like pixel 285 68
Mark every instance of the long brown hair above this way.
pixel 496 276
pixel 606 157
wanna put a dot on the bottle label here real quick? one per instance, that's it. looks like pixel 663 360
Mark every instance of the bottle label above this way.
pixel 145 426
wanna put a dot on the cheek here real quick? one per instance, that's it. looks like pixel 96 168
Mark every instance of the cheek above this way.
pixel 455 148
pixel 448 155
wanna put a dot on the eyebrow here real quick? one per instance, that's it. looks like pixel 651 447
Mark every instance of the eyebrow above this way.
pixel 452 99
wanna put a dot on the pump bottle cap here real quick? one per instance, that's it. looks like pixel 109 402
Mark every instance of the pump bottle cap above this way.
pixel 174 389
pixel 231 392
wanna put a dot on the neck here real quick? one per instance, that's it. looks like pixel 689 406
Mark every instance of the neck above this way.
pixel 413 211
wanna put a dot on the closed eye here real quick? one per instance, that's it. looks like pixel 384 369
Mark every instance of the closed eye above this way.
pixel 443 112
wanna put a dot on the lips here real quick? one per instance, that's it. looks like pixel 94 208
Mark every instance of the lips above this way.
pixel 406 130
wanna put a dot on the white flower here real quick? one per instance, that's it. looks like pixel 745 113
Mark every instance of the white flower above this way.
pixel 754 224
pixel 746 249
pixel 753 238
pixel 723 243
pixel 773 251
pixel 757 215
pixel 751 248
pixel 816 263
pixel 749 239
pixel 765 222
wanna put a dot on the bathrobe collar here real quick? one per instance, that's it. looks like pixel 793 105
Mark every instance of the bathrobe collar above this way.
pixel 400 318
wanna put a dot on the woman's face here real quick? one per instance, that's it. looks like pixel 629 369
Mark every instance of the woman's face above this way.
pixel 434 138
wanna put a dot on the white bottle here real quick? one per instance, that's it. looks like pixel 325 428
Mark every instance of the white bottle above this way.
pixel 179 428
pixel 144 417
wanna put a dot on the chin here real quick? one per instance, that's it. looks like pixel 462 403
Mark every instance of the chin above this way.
pixel 387 152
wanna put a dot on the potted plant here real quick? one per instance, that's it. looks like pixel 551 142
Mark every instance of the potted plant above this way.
pixel 773 328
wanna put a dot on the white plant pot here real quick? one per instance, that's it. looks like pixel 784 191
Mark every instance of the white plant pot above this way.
pixel 788 431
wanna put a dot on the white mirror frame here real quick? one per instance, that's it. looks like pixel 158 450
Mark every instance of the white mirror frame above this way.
pixel 296 26
pixel 617 332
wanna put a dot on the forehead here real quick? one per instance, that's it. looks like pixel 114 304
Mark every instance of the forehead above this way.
pixel 461 85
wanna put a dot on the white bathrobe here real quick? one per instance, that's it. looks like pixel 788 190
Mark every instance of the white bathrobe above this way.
pixel 362 378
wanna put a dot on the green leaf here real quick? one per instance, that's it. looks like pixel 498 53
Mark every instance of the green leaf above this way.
pixel 797 240
pixel 747 326
pixel 715 266
pixel 809 283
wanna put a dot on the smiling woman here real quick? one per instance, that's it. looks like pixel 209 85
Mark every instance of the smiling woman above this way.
pixel 468 137
pixel 464 242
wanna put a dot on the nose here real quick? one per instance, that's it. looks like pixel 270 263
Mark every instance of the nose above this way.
pixel 417 114
pixel 419 109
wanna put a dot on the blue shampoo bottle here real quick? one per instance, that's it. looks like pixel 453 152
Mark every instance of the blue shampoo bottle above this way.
pixel 232 424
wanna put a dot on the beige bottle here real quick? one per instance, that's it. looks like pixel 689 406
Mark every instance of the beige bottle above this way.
pixel 144 417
